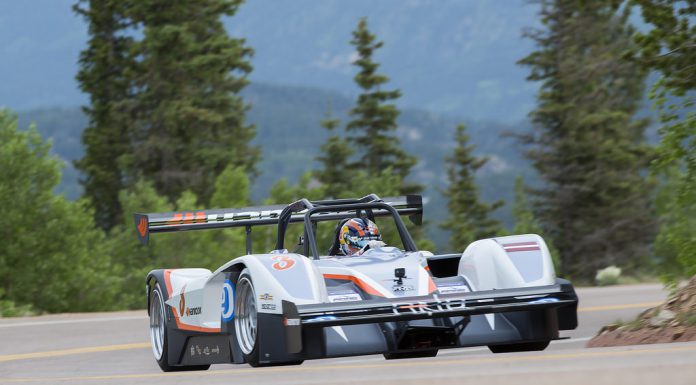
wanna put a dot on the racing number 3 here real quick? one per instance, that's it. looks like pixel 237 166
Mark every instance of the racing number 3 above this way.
pixel 283 262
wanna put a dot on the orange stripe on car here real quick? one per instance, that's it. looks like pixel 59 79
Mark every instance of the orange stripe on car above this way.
pixel 431 285
pixel 361 284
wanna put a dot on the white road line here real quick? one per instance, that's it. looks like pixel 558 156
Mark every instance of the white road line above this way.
pixel 72 321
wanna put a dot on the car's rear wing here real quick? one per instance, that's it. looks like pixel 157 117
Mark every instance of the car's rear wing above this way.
pixel 559 297
pixel 145 224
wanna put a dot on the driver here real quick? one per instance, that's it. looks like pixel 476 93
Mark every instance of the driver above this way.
pixel 358 235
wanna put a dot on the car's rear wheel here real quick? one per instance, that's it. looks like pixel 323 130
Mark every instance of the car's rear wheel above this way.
pixel 416 354
pixel 158 333
pixel 521 347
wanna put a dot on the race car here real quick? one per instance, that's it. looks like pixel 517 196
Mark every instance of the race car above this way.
pixel 281 308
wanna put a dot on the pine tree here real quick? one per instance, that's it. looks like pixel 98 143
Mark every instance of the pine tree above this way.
pixel 585 143
pixel 374 118
pixel 669 48
pixel 187 117
pixel 469 218
pixel 102 77
pixel 164 106
pixel 336 175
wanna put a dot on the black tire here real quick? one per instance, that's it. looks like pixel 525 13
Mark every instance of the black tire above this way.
pixel 242 305
pixel 521 347
pixel 158 336
pixel 415 354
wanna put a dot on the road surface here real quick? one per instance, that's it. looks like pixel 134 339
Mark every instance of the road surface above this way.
pixel 112 348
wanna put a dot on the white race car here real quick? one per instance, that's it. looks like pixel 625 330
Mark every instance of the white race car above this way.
pixel 280 308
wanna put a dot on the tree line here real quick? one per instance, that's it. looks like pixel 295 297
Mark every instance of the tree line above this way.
pixel 167 132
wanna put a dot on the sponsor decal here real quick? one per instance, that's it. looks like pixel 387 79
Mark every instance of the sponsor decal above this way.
pixel 227 301
pixel 402 288
pixel 346 297
pixel 205 350
pixel 266 297
pixel 193 311
pixel 183 218
pixel 291 322
pixel 455 287
pixel 428 307
pixel 283 262
pixel 268 306
pixel 182 302
pixel 545 300
pixel 185 311
pixel 142 227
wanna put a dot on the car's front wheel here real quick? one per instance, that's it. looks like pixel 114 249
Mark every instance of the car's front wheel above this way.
pixel 246 318
pixel 158 333
pixel 246 323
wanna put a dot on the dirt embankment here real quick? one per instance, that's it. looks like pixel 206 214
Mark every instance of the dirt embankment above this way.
pixel 672 321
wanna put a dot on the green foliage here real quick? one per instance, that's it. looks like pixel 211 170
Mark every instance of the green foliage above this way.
pixel 206 249
pixel 526 222
pixel 373 119
pixel 187 120
pixel 53 258
pixel 469 218
pixel 101 75
pixel 335 173
pixel 676 241
pixel 586 144
pixel 669 47
pixel 169 115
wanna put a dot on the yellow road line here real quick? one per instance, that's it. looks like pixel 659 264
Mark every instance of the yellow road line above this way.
pixel 68 352
pixel 458 362
pixel 619 307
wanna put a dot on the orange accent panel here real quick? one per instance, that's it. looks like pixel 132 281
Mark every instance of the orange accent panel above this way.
pixel 431 286
pixel 179 324
pixel 361 284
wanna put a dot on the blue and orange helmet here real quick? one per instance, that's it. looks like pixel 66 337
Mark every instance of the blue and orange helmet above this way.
pixel 356 233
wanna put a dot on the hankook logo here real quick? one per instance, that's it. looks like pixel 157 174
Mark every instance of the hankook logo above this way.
pixel 401 288
pixel 193 311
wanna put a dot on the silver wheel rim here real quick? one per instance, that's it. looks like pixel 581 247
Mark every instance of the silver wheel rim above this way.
pixel 157 324
pixel 245 315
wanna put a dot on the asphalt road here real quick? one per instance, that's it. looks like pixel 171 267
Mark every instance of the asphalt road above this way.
pixel 112 348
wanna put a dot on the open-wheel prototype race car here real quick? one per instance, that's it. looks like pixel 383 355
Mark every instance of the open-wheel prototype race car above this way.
pixel 280 308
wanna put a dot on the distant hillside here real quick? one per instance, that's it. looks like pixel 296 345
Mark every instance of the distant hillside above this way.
pixel 447 56
pixel 287 120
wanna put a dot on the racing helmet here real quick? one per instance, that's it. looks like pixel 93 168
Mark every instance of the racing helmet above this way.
pixel 356 233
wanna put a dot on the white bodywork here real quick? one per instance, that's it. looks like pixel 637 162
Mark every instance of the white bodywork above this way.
pixel 496 263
